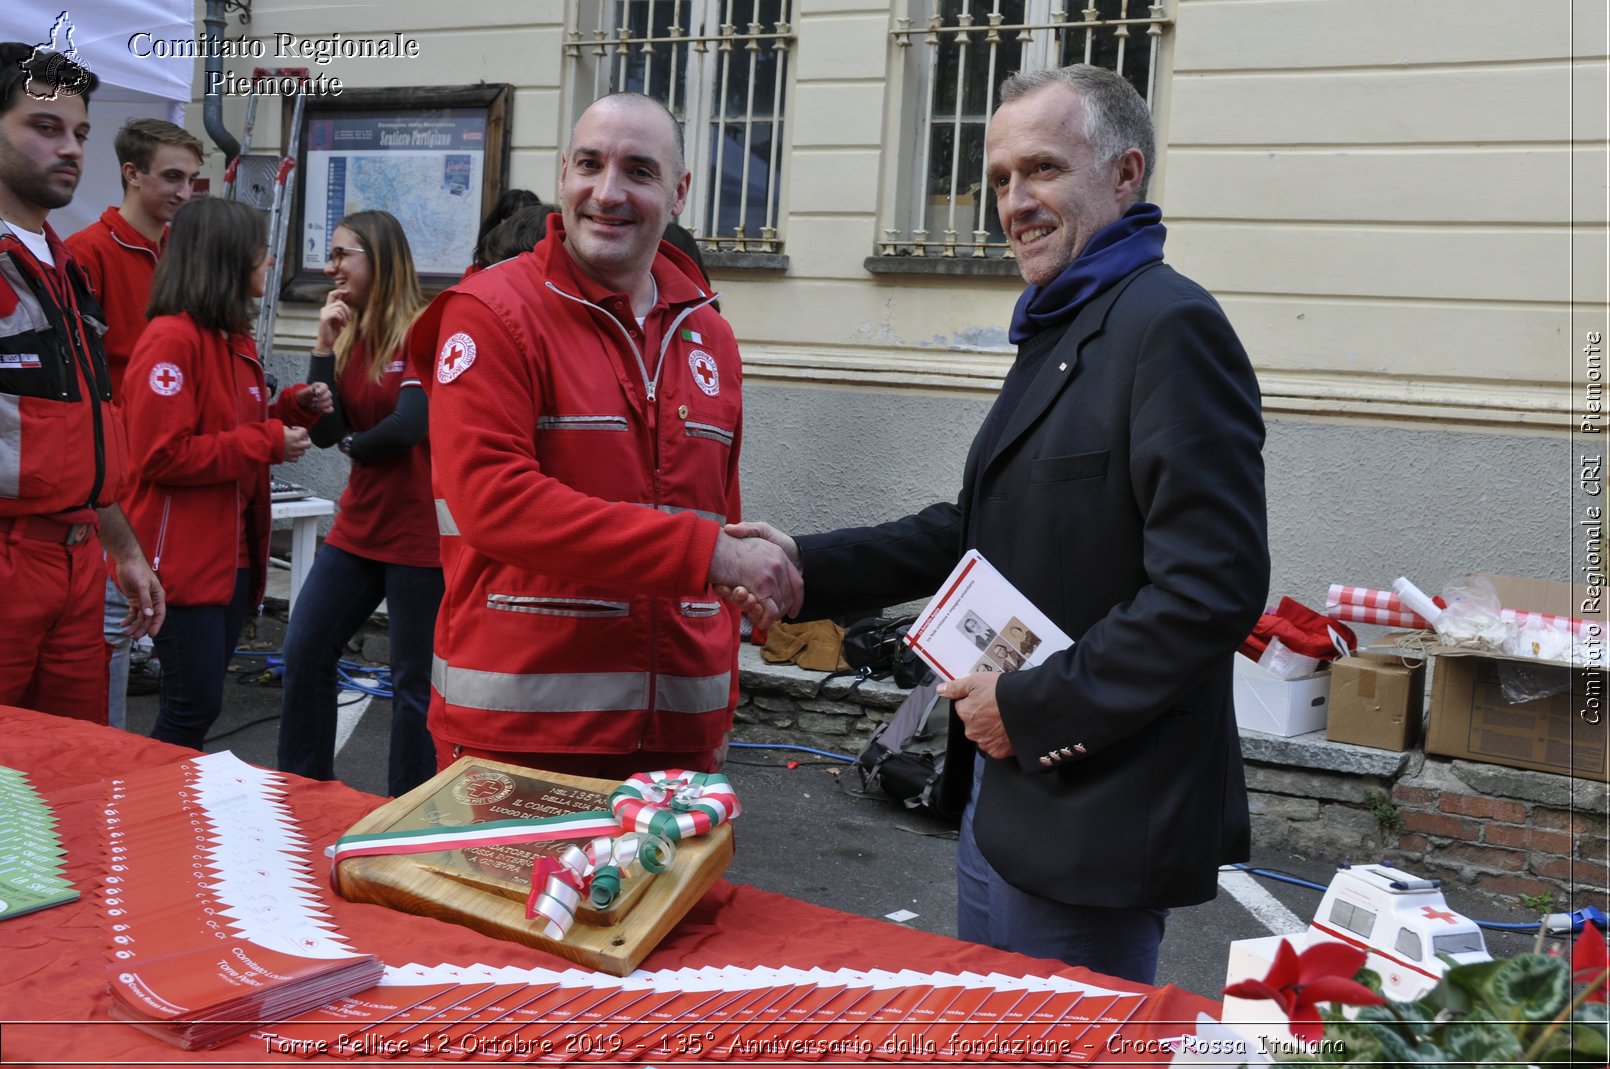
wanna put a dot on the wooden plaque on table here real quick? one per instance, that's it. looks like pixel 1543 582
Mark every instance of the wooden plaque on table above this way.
pixel 485 888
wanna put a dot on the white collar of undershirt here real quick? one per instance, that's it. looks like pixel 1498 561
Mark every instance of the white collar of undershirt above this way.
pixel 36 241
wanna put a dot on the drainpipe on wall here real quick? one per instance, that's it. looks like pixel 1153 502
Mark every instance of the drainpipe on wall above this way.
pixel 212 103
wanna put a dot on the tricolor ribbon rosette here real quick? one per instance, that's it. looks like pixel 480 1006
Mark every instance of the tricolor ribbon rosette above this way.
pixel 675 804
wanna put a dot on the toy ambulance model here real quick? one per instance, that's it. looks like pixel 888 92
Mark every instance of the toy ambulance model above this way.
pixel 1400 921
pixel 1404 924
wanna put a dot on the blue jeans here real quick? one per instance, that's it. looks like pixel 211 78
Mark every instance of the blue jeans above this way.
pixel 195 645
pixel 1114 942
pixel 117 696
pixel 342 591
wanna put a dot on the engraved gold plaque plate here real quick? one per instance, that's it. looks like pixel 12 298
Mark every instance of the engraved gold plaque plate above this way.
pixel 485 888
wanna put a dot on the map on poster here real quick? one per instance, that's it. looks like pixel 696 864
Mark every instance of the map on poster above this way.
pixel 425 170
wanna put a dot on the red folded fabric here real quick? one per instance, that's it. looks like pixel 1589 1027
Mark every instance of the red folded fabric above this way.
pixel 1300 629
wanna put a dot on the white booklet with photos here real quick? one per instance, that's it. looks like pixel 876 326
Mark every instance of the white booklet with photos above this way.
pixel 980 622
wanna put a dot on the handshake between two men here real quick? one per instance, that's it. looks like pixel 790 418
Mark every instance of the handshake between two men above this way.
pixel 756 569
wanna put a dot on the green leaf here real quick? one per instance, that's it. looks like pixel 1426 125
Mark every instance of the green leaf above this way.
pixel 1590 1034
pixel 1481 1042
pixel 1474 979
pixel 1395 1043
pixel 1534 987
pixel 1358 1041
pixel 1447 995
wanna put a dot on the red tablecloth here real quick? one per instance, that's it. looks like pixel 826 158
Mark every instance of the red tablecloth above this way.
pixel 53 963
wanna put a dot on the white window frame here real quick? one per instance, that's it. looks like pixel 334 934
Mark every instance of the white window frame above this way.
pixel 707 50
pixel 963 224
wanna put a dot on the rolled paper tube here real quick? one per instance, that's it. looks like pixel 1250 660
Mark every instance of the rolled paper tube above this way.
pixel 1417 600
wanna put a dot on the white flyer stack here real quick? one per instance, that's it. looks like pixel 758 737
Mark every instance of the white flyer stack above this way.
pixel 215 917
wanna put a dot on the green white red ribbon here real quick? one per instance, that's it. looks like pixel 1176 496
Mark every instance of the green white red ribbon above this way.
pixel 492 833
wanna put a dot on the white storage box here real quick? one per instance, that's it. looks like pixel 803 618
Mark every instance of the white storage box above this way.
pixel 1265 702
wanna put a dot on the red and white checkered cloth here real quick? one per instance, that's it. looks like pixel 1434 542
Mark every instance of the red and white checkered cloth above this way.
pixel 1362 605
pixel 1523 618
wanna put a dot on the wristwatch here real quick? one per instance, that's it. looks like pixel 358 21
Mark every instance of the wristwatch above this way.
pixel 345 445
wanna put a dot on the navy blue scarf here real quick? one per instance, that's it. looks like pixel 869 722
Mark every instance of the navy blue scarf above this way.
pixel 1133 240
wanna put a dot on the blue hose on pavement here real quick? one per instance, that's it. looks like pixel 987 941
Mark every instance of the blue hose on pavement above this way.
pixel 785 746
pixel 350 674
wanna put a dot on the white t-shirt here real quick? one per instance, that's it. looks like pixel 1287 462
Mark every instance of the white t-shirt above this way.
pixel 37 243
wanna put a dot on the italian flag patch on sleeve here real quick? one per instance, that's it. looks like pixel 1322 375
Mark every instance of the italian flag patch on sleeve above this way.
pixel 693 336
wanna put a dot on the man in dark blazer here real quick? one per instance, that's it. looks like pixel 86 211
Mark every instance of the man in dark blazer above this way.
pixel 1118 483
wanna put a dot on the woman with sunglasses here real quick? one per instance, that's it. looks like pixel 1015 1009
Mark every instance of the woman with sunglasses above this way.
pixel 202 435
pixel 384 544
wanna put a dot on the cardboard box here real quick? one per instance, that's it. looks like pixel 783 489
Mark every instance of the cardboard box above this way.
pixel 1265 702
pixel 1376 701
pixel 1471 718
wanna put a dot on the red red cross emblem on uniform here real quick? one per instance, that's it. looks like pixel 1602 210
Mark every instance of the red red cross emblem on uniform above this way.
pixel 705 374
pixel 1438 915
pixel 458 353
pixel 166 379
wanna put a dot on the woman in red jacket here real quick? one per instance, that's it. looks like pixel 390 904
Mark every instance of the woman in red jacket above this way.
pixel 384 544
pixel 202 436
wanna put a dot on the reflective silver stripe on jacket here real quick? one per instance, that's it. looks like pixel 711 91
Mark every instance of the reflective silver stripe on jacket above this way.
pixel 582 423
pixel 445 524
pixel 693 694
pixel 710 431
pixel 26 316
pixel 577 692
pixel 10 446
pixel 699 608
pixel 548 606
pixel 674 509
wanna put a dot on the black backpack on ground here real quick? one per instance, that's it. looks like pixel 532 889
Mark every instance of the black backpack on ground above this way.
pixel 905 756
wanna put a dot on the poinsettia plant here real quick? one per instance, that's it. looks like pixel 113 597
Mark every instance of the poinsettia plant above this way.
pixel 1530 1010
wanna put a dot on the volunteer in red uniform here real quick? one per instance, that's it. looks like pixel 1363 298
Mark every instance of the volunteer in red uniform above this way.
pixel 202 435
pixel 384 544
pixel 159 162
pixel 586 420
pixel 62 449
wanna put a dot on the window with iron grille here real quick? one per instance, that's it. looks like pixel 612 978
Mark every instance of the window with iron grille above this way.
pixel 720 66
pixel 957 63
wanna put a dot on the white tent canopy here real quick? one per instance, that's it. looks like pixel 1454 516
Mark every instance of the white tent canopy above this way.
pixel 132 86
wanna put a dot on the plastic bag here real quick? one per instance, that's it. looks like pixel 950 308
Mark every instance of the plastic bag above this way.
pixel 1529 682
pixel 1472 617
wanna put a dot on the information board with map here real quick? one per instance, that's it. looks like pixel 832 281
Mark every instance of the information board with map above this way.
pixel 426 169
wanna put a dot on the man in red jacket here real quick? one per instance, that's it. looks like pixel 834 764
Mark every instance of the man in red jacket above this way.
pixel 159 163
pixel 63 457
pixel 586 421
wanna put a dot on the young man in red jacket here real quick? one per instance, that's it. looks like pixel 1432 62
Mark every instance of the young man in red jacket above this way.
pixel 159 163
pixel 586 420
pixel 64 458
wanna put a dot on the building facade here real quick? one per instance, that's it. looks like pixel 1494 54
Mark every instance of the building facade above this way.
pixel 1400 206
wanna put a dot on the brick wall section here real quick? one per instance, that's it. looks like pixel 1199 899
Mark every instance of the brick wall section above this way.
pixel 1506 831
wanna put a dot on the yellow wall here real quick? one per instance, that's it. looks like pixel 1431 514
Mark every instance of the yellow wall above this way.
pixel 1382 193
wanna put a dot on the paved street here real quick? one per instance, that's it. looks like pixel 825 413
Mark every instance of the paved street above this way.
pixel 810 832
